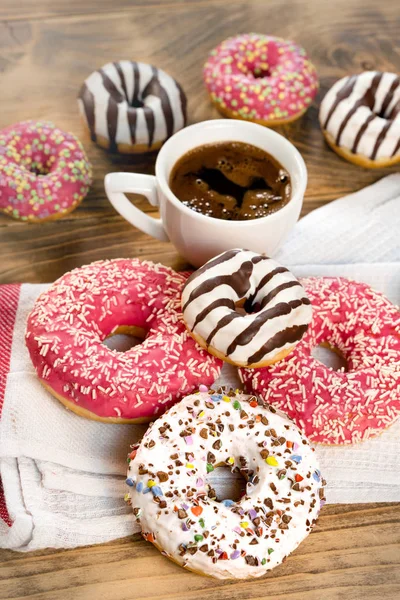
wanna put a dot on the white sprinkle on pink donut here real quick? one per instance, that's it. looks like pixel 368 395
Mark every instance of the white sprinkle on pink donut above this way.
pixel 339 407
pixel 70 321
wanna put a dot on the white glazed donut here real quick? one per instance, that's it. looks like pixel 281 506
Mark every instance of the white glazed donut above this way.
pixel 278 310
pixel 131 107
pixel 177 509
pixel 360 118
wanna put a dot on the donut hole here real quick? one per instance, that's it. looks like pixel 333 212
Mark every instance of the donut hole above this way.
pixel 225 484
pixel 390 112
pixel 246 307
pixel 259 73
pixel 125 337
pixel 137 103
pixel 240 308
pixel 39 169
pixel 330 356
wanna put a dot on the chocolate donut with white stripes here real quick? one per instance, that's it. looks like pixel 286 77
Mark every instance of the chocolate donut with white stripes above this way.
pixel 131 107
pixel 360 118
pixel 245 308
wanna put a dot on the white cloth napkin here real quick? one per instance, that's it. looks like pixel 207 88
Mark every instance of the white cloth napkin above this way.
pixel 63 476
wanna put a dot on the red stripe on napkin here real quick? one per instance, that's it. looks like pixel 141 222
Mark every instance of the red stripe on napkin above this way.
pixel 4 516
pixel 9 297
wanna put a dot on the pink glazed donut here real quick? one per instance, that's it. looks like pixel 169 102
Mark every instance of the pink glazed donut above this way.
pixel 339 407
pixel 70 321
pixel 44 172
pixel 260 78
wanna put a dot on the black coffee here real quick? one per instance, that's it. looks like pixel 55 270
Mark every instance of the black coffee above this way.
pixel 230 180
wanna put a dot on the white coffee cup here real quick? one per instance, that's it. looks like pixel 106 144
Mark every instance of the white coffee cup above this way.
pixel 196 236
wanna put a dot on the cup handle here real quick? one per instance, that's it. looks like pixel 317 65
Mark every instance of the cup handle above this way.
pixel 117 183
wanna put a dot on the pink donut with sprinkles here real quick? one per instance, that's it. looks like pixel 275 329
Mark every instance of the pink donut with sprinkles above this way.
pixel 345 406
pixel 260 78
pixel 70 321
pixel 44 172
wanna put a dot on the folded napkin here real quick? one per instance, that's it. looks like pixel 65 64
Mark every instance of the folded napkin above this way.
pixel 63 476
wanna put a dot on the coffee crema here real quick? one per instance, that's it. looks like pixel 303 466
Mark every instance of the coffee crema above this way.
pixel 233 181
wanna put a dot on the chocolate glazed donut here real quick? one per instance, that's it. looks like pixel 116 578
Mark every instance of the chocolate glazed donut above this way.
pixel 131 107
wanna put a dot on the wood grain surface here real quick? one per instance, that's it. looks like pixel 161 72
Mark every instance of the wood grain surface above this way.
pixel 47 48
pixel 352 554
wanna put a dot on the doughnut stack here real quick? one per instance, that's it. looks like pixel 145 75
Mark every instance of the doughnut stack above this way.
pixel 242 308
pixel 248 310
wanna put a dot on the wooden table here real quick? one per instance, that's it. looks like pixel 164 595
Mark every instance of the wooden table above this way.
pixel 46 51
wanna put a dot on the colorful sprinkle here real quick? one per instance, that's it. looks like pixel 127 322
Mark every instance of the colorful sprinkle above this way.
pixel 296 458
pixel 227 502
pixel 196 510
pixel 239 72
pixel 35 182
pixel 216 397
pixel 317 476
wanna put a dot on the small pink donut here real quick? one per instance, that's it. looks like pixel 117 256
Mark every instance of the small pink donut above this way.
pixel 260 78
pixel 44 172
pixel 70 321
pixel 339 407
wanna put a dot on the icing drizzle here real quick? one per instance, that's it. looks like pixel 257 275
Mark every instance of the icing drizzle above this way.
pixel 278 310
pixel 131 103
pixel 362 114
